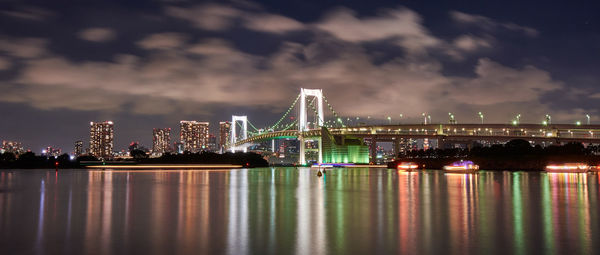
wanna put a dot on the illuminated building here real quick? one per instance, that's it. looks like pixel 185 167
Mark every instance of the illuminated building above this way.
pixel 193 135
pixel 78 148
pixel 178 147
pixel 101 139
pixel 224 130
pixel 161 140
pixel 51 152
pixel 12 146
pixel 212 143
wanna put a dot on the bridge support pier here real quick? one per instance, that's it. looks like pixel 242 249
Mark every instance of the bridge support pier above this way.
pixel 320 150
pixel 273 145
pixel 302 157
pixel 373 151
pixel 397 146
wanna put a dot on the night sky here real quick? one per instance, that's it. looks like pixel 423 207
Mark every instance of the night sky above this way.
pixel 150 64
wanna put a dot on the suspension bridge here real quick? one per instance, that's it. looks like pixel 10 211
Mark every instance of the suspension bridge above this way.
pixel 340 142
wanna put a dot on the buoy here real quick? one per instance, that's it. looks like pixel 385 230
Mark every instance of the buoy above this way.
pixel 319 173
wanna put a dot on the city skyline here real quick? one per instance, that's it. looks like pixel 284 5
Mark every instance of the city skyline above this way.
pixel 66 65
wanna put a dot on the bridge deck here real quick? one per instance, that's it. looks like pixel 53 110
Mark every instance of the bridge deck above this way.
pixel 496 132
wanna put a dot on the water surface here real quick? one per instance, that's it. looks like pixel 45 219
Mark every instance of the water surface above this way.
pixel 292 211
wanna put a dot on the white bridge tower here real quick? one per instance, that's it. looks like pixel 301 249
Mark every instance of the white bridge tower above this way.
pixel 233 135
pixel 303 121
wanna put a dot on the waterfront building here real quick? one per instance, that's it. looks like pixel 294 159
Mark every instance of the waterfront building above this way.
pixel 212 143
pixel 178 147
pixel 224 133
pixel 161 140
pixel 101 139
pixel 193 135
pixel 51 152
pixel 78 148
pixel 12 146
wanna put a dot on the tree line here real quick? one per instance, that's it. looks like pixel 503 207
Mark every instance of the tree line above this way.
pixel 30 160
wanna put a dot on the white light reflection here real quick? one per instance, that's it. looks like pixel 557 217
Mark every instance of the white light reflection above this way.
pixel 237 229
pixel 40 229
pixel 311 234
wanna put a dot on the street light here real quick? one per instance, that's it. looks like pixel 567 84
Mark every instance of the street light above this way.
pixel 578 123
pixel 424 118
pixel 548 119
pixel 481 116
pixel 389 120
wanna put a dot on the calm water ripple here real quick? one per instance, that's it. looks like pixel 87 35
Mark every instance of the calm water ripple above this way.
pixel 292 211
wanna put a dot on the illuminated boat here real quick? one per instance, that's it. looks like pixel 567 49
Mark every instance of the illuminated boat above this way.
pixel 463 166
pixel 407 166
pixel 567 168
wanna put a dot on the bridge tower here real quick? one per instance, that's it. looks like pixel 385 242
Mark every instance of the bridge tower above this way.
pixel 244 131
pixel 303 121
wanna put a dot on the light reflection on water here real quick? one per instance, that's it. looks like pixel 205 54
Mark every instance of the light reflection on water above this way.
pixel 292 211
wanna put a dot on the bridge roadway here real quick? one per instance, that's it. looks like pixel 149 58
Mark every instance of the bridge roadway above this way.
pixel 557 133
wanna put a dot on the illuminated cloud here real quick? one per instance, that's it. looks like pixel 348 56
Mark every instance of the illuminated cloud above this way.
pixel 23 47
pixel 207 16
pixel 4 63
pixel 471 43
pixel 271 23
pixel 402 25
pixel 28 13
pixel 162 41
pixel 490 24
pixel 182 72
pixel 97 34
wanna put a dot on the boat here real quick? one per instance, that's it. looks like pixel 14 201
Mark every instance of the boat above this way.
pixel 407 166
pixel 568 168
pixel 595 168
pixel 463 166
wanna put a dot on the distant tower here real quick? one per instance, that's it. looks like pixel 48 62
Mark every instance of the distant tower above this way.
pixel 161 140
pixel 224 130
pixel 101 139
pixel 78 148
pixel 193 135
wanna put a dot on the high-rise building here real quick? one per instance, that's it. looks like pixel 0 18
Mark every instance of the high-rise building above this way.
pixel 78 148
pixel 193 135
pixel 212 143
pixel 101 139
pixel 224 133
pixel 161 140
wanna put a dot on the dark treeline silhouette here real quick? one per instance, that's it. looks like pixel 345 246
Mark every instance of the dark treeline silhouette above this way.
pixel 517 154
pixel 248 159
pixel 29 160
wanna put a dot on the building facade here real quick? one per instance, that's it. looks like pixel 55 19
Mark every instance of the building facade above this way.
pixel 78 149
pixel 101 139
pixel 193 135
pixel 224 133
pixel 161 141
